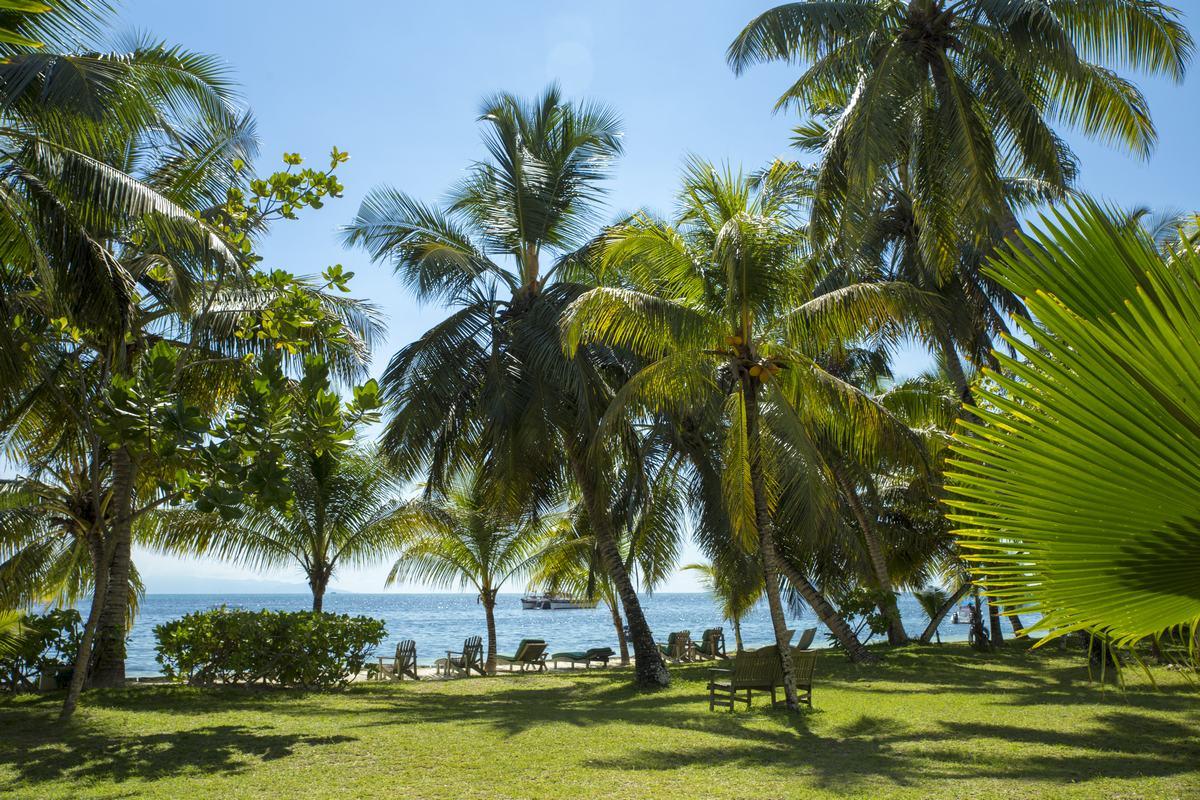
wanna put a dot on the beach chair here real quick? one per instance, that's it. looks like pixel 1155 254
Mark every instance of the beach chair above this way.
pixel 461 663
pixel 806 639
pixel 531 653
pixel 599 655
pixel 679 646
pixel 759 671
pixel 403 663
pixel 752 671
pixel 712 644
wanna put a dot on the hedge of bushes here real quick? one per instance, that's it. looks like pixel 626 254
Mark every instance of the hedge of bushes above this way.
pixel 298 649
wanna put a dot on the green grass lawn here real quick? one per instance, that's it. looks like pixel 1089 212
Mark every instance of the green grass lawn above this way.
pixel 929 723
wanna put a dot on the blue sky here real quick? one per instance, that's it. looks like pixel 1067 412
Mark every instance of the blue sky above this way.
pixel 398 84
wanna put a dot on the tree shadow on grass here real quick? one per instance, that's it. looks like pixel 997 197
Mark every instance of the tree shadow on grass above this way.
pixel 86 751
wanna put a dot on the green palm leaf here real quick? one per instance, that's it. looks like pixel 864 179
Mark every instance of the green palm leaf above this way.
pixel 1076 493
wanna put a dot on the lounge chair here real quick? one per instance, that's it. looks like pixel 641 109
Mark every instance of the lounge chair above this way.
pixel 806 639
pixel 403 663
pixel 531 653
pixel 585 657
pixel 679 646
pixel 759 671
pixel 712 644
pixel 461 663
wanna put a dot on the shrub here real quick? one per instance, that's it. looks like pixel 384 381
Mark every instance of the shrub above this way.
pixel 299 649
pixel 46 645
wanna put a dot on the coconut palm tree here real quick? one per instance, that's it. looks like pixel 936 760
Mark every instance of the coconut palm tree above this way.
pixel 458 537
pixel 1075 492
pixel 958 93
pixel 345 510
pixel 720 303
pixel 490 385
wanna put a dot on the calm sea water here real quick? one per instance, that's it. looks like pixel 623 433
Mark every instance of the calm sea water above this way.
pixel 440 622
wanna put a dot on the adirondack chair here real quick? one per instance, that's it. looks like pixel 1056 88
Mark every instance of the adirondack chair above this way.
pixel 461 663
pixel 599 655
pixel 806 639
pixel 403 663
pixel 531 653
pixel 679 646
pixel 712 644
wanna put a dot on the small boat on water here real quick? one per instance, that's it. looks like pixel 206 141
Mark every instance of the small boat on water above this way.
pixel 552 602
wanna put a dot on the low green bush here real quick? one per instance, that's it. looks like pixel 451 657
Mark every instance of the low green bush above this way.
pixel 46 649
pixel 297 649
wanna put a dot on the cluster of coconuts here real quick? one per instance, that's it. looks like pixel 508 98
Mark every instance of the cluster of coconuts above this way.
pixel 762 370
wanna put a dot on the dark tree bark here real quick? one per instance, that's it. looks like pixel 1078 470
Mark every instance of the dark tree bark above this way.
pixel 994 622
pixel 649 669
pixel 766 544
pixel 83 658
pixel 488 597
pixel 619 625
pixel 109 669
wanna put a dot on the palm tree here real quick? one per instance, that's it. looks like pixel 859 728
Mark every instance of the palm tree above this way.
pixel 1075 491
pixel 490 386
pixel 457 536
pixel 957 93
pixel 737 584
pixel 720 303
pixel 648 518
pixel 344 511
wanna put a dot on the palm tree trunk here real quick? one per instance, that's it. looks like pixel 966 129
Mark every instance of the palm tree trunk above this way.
pixel 981 640
pixel 936 620
pixel 827 614
pixel 83 658
pixel 1017 625
pixel 766 544
pixel 620 628
pixel 110 646
pixel 737 633
pixel 318 593
pixel 650 669
pixel 896 634
pixel 994 622
pixel 489 611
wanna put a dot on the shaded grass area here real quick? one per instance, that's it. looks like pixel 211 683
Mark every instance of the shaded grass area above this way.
pixel 927 723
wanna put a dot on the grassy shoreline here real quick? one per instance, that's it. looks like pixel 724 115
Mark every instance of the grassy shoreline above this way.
pixel 927 723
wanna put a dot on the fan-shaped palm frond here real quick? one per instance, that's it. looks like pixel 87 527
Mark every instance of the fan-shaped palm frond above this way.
pixel 1074 493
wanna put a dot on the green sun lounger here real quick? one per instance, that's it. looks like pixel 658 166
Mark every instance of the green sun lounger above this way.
pixel 585 657
pixel 531 654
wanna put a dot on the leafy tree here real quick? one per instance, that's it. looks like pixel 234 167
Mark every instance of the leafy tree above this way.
pixel 1072 493
pixel 457 537
pixel 490 386
pixel 333 503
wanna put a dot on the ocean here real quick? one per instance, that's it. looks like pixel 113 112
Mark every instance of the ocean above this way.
pixel 440 622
